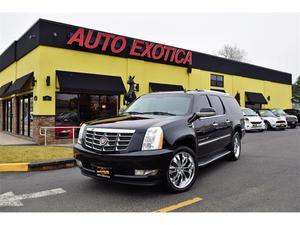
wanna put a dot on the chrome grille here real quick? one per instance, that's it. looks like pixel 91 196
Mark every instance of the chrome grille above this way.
pixel 115 139
pixel 256 122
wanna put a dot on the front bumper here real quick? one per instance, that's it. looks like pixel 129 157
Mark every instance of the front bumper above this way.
pixel 279 125
pixel 250 126
pixel 122 166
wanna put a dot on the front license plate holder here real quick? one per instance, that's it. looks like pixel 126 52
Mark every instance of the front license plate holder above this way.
pixel 103 171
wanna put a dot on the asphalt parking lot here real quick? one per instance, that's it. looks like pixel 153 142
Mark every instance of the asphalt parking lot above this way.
pixel 266 178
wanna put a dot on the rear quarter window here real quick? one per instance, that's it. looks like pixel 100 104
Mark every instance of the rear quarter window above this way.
pixel 216 104
pixel 231 105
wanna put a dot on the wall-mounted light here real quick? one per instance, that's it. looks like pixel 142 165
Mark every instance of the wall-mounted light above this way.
pixel 48 80
pixel 269 98
pixel 137 87
pixel 189 69
pixel 33 81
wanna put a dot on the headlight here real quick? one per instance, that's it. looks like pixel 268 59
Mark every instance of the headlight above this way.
pixel 153 139
pixel 82 128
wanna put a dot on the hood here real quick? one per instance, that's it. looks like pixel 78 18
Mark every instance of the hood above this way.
pixel 281 118
pixel 140 123
pixel 291 118
pixel 254 118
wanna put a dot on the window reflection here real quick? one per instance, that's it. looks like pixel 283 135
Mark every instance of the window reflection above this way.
pixel 73 109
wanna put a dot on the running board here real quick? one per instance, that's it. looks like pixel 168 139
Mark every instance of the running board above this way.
pixel 211 159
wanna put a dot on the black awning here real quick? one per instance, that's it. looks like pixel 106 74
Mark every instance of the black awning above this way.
pixel 84 83
pixel 19 84
pixel 256 98
pixel 156 87
pixel 219 90
pixel 4 88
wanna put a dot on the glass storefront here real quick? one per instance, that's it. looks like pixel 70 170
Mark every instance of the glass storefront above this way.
pixel 73 109
pixel 25 115
pixel 8 115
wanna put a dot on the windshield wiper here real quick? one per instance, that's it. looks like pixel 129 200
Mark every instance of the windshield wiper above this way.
pixel 160 113
pixel 133 112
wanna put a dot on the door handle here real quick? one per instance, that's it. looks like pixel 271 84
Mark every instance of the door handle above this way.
pixel 215 124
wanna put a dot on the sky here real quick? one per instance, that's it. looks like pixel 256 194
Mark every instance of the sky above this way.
pixel 271 40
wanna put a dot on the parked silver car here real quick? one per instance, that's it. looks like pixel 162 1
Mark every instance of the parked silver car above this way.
pixel 291 119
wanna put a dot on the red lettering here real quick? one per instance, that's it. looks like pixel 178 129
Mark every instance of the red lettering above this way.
pixel 88 39
pixel 173 54
pixel 107 39
pixel 161 53
pixel 136 45
pixel 167 52
pixel 181 59
pixel 78 37
pixel 147 50
pixel 114 42
pixel 188 58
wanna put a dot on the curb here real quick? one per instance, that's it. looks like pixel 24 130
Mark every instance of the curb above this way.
pixel 37 166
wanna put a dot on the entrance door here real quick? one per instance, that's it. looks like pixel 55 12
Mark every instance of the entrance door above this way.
pixel 25 115
pixel 8 115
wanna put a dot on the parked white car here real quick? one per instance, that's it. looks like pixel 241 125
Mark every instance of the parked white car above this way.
pixel 272 121
pixel 252 120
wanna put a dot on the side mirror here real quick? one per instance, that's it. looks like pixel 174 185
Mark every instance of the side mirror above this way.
pixel 204 112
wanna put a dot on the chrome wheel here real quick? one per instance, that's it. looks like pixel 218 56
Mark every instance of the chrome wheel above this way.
pixel 182 169
pixel 236 146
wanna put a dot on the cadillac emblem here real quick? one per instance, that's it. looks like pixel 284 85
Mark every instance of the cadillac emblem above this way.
pixel 103 141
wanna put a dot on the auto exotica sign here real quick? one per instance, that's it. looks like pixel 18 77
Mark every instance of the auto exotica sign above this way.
pixel 118 44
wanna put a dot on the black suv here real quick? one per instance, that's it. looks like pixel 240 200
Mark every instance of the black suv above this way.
pixel 162 137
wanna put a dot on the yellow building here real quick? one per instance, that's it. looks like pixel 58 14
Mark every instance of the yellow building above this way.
pixel 58 75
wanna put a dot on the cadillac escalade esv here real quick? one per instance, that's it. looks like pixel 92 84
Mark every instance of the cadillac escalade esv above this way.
pixel 162 138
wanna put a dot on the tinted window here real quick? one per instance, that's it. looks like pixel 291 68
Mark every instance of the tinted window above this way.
pixel 231 105
pixel 216 104
pixel 202 102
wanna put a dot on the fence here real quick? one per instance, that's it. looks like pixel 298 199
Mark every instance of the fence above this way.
pixel 44 132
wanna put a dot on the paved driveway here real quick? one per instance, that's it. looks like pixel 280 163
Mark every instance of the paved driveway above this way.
pixel 7 139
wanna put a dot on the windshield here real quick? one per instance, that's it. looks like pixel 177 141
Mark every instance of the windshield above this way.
pixel 278 112
pixel 162 104
pixel 266 113
pixel 249 112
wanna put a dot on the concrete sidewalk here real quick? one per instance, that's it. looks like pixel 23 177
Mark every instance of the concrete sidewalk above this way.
pixel 8 139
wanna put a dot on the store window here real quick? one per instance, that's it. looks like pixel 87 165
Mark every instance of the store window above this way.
pixel 216 80
pixel 25 115
pixel 8 115
pixel 73 109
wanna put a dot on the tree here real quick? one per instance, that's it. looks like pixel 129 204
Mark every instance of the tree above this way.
pixel 233 53
pixel 296 90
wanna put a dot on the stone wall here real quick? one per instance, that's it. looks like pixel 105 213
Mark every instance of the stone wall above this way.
pixel 43 121
pixel 15 115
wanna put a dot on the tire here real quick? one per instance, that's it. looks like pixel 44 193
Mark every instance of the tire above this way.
pixel 268 126
pixel 175 170
pixel 293 126
pixel 235 147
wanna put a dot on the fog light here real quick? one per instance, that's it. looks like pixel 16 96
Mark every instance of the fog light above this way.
pixel 145 172
pixel 79 164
